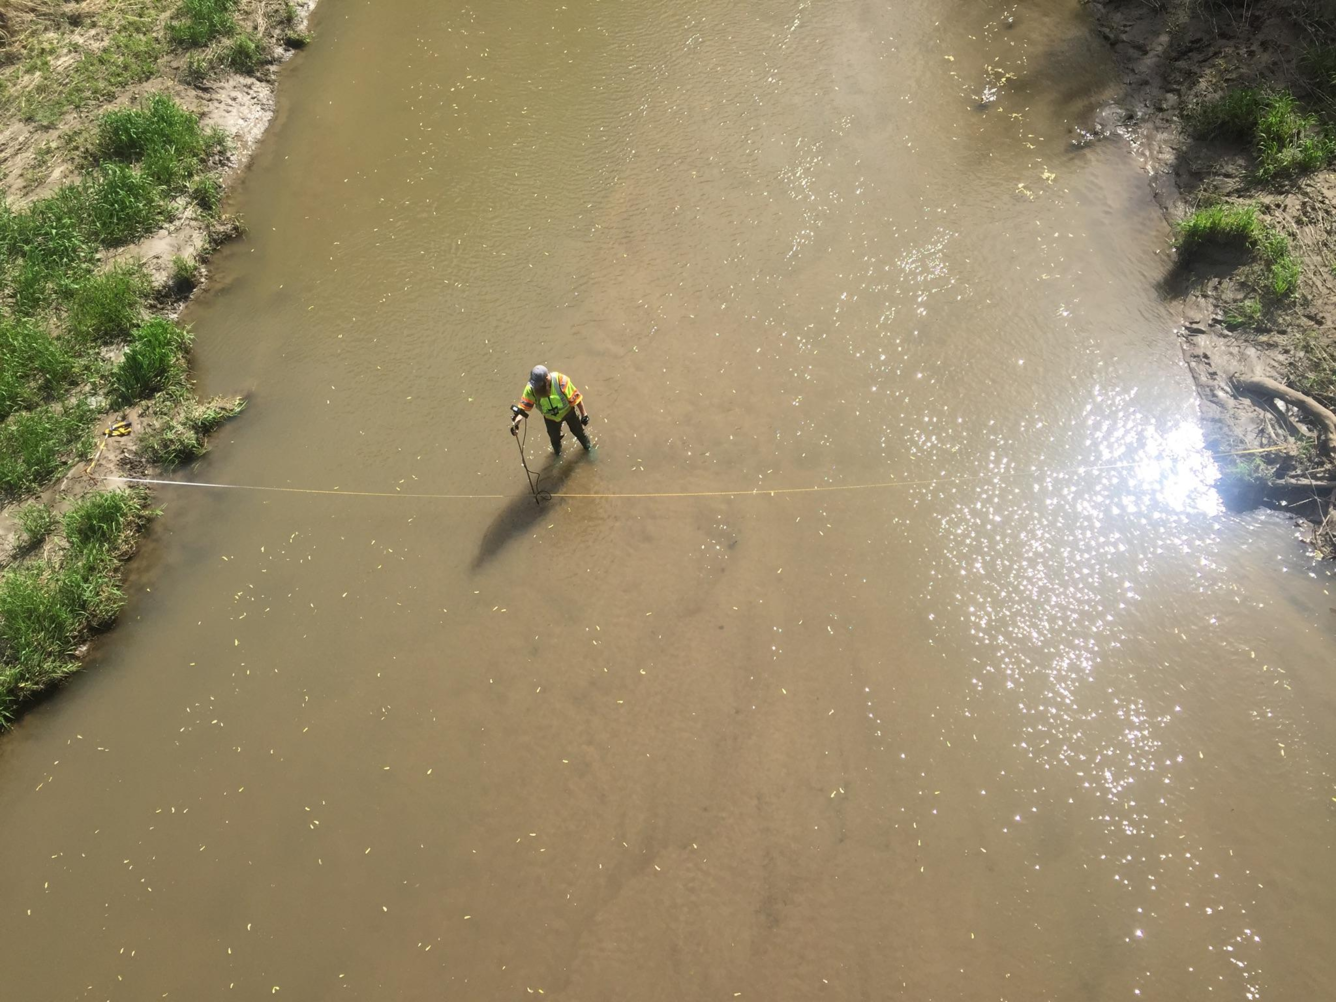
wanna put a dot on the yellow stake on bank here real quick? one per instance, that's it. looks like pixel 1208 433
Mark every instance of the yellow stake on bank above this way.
pixel 117 430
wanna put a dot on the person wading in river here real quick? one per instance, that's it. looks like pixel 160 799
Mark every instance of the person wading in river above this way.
pixel 558 399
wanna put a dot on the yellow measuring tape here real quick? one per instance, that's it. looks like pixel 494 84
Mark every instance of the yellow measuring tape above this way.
pixel 758 491
pixel 117 430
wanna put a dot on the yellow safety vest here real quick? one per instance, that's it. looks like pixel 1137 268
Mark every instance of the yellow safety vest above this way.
pixel 555 405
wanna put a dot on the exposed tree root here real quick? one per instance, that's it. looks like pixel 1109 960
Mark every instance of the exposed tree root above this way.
pixel 1317 483
pixel 1269 390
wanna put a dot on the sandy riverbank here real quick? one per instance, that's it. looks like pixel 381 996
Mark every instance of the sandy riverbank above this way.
pixel 1181 63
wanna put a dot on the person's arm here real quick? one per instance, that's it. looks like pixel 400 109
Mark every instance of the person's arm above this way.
pixel 577 398
pixel 518 412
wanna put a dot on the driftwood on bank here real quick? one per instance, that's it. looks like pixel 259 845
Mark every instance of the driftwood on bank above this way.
pixel 1268 389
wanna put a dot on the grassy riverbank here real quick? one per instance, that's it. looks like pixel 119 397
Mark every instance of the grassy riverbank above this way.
pixel 118 131
pixel 53 601
pixel 1237 103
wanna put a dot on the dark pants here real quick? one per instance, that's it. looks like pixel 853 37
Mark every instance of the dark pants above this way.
pixel 572 421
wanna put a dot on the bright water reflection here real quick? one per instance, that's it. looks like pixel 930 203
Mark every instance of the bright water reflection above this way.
pixel 1177 471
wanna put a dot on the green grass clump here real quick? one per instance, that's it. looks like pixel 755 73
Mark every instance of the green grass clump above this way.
pixel 106 307
pixel 49 230
pixel 33 366
pixel 184 273
pixel 37 522
pixel 48 248
pixel 1245 314
pixel 1290 141
pixel 161 136
pixel 47 608
pixel 21 682
pixel 1283 276
pixel 244 54
pixel 183 438
pixel 1283 269
pixel 44 249
pixel 1286 139
pixel 1232 115
pixel 98 519
pixel 123 203
pixel 199 22
pixel 1239 225
pixel 154 361
pixel 38 630
pixel 207 193
pixel 1218 224
pixel 35 445
pixel 128 134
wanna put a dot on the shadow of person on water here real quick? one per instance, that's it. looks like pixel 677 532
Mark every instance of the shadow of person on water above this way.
pixel 521 512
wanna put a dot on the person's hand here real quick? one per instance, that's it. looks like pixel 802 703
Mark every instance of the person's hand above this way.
pixel 514 428
pixel 584 420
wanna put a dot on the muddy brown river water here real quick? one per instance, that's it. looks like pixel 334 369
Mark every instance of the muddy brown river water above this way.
pixel 1033 718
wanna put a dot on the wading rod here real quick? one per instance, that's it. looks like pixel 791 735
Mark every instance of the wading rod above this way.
pixel 539 496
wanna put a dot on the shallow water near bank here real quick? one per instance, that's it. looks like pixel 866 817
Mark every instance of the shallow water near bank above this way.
pixel 1038 720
